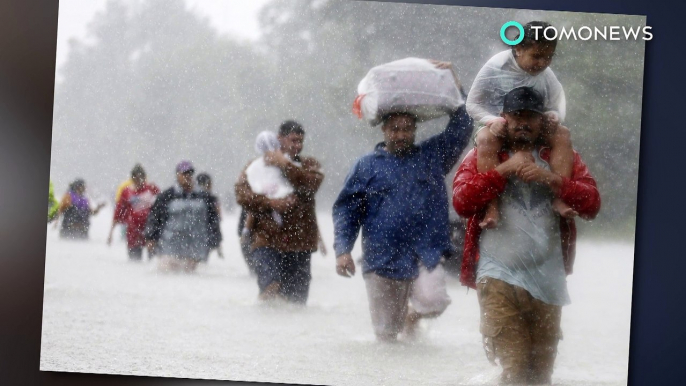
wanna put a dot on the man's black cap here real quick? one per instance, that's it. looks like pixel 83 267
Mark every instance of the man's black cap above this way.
pixel 523 98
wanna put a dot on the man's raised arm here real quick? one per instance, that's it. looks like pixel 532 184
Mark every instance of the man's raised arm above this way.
pixel 448 145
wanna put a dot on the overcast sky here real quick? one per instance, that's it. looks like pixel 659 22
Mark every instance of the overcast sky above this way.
pixel 236 17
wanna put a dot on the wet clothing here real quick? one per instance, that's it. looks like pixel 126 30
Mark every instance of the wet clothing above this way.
pixel 298 231
pixel 389 299
pixel 388 303
pixel 117 196
pixel 219 214
pixel 500 75
pixel 281 250
pixel 76 217
pixel 519 330
pixel 472 191
pixel 401 204
pixel 184 224
pixel 290 269
pixel 132 209
pixel 525 250
pixel 120 189
pixel 519 268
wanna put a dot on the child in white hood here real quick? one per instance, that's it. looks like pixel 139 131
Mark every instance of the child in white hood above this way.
pixel 270 181
pixel 266 179
pixel 526 64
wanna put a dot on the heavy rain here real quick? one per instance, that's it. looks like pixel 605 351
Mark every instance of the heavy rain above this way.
pixel 169 88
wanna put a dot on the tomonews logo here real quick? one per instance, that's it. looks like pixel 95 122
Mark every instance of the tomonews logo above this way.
pixel 582 33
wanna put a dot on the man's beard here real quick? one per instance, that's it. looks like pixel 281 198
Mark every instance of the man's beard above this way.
pixel 402 147
pixel 522 140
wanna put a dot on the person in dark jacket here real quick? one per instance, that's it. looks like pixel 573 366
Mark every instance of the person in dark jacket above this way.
pixel 183 224
pixel 397 196
pixel 205 185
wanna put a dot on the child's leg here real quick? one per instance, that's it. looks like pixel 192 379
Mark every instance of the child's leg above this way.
pixel 488 145
pixel 561 163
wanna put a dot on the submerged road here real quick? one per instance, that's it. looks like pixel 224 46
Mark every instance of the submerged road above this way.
pixel 104 314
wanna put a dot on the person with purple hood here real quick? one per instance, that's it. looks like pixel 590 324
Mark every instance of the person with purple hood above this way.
pixel 75 211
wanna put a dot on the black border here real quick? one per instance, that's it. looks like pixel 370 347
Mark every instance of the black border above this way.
pixel 28 30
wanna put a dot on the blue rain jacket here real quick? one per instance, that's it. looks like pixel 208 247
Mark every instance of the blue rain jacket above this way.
pixel 401 204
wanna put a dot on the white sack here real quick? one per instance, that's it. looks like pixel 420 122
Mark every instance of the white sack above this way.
pixel 409 85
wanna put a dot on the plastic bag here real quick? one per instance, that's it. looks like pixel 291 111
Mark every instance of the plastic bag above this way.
pixel 409 85
pixel 500 75
pixel 429 291
pixel 266 179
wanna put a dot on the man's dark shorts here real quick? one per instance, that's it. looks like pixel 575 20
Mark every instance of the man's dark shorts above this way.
pixel 290 269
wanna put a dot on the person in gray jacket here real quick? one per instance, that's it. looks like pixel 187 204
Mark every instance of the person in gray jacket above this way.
pixel 183 224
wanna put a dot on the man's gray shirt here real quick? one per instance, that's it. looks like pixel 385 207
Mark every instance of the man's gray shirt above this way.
pixel 525 249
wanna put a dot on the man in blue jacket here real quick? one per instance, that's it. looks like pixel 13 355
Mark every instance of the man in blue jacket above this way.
pixel 397 196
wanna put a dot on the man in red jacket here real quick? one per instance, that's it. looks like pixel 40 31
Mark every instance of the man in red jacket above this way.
pixel 519 268
pixel 132 209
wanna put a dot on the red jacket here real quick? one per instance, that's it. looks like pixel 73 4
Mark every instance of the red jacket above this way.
pixel 132 209
pixel 472 191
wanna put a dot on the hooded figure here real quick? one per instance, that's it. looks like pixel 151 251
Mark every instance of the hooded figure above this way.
pixel 265 179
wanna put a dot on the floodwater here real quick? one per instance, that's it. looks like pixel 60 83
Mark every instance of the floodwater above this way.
pixel 105 314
